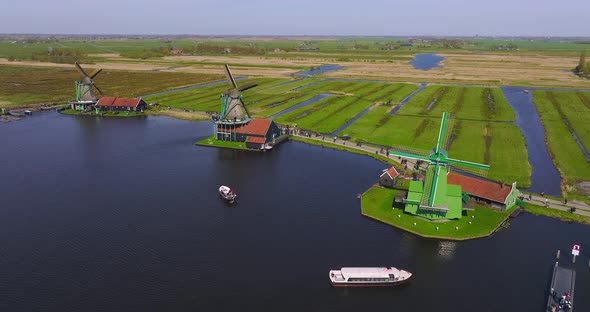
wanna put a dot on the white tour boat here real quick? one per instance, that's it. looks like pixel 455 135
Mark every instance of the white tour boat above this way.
pixel 228 194
pixel 368 277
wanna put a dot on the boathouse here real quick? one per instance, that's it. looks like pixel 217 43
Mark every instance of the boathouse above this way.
pixel 255 133
pixel 121 104
pixel 389 177
pixel 496 195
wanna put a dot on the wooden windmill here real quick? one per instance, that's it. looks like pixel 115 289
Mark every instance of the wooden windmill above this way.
pixel 434 198
pixel 84 89
pixel 233 112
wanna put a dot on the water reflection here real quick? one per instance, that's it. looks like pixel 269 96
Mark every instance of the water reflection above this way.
pixel 446 249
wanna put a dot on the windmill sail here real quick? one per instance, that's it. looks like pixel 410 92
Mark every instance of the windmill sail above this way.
pixel 84 86
pixel 232 105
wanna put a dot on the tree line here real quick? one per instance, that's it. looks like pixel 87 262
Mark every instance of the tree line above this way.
pixel 583 68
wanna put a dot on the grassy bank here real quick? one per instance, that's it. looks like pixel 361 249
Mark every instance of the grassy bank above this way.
pixel 212 142
pixel 102 114
pixel 377 202
pixel 345 148
pixel 192 116
pixel 559 214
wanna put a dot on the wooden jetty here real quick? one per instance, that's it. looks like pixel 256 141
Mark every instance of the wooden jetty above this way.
pixel 563 281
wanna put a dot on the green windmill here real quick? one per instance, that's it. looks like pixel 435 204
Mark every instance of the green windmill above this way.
pixel 434 198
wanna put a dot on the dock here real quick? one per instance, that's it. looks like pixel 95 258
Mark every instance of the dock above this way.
pixel 563 281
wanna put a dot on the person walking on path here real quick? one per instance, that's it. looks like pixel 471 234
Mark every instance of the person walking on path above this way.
pixel 546 203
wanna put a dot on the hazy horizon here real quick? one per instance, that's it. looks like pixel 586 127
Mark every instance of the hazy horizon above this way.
pixel 501 18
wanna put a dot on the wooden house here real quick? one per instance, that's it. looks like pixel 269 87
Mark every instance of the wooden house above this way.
pixel 389 177
pixel 493 194
pixel 255 133
pixel 121 104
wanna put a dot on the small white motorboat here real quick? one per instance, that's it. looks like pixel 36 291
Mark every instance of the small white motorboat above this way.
pixel 228 194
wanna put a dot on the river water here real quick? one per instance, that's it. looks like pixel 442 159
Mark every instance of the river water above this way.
pixel 123 215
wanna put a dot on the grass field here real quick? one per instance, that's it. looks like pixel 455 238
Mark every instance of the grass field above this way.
pixel 377 202
pixel 24 85
pixel 565 152
pixel 482 130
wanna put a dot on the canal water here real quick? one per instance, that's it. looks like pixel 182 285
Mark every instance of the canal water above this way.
pixel 320 70
pixel 302 104
pixel 426 61
pixel 544 177
pixel 124 215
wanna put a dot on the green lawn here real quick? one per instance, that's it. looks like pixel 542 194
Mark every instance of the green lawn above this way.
pixel 377 202
pixel 565 152
pixel 212 142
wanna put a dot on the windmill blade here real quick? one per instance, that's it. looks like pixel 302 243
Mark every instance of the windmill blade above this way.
pixel 441 133
pixel 464 163
pixel 230 77
pixel 480 172
pixel 80 69
pixel 408 155
pixel 95 73
pixel 97 89
pixel 248 86
pixel 245 109
pixel 410 150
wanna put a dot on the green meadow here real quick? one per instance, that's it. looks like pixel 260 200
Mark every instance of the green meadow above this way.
pixel 560 112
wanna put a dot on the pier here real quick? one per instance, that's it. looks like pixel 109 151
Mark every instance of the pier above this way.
pixel 562 281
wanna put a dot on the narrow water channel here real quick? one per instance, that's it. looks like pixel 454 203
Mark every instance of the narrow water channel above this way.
pixel 545 177
pixel 355 118
pixel 407 99
pixel 302 104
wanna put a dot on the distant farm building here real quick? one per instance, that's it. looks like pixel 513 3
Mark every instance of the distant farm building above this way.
pixel 255 133
pixel 389 177
pixel 121 104
pixel 496 195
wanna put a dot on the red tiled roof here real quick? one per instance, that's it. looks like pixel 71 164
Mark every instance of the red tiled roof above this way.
pixel 255 139
pixel 254 127
pixel 391 172
pixel 113 101
pixel 480 188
